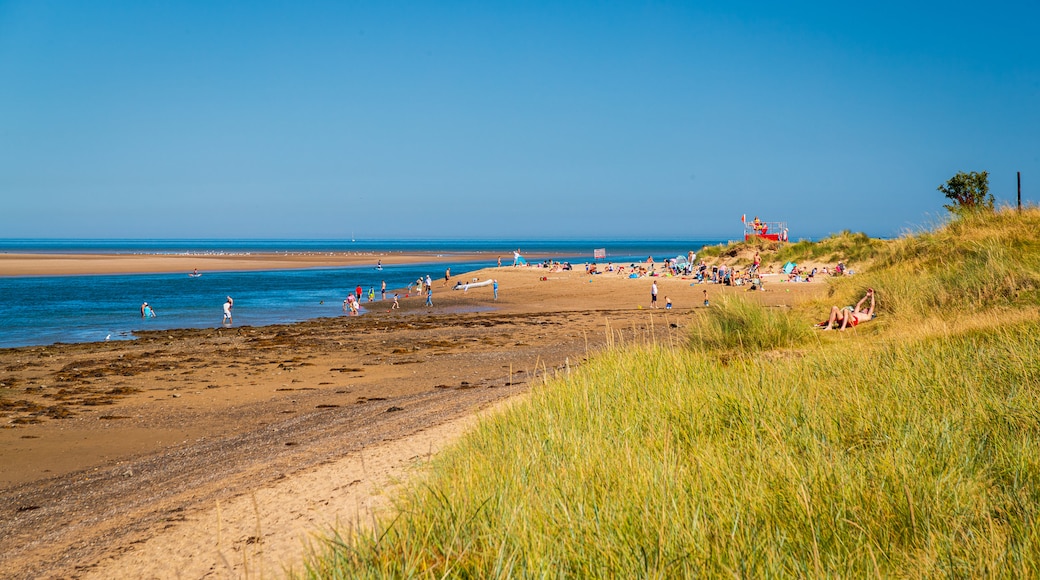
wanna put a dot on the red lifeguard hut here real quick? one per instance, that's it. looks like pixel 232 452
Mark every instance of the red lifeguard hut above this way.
pixel 756 228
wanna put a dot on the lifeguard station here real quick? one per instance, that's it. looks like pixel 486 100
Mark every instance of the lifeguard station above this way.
pixel 756 228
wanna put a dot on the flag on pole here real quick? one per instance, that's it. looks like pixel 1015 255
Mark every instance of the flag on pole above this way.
pixel 743 219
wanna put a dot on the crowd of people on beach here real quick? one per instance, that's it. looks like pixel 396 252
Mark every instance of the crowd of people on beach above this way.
pixel 686 267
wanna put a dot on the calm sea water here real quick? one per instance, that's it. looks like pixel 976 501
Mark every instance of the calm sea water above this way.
pixel 45 310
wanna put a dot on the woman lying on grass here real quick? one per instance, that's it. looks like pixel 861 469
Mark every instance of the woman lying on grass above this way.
pixel 850 316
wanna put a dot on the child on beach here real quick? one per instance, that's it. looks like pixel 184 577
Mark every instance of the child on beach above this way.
pixel 396 304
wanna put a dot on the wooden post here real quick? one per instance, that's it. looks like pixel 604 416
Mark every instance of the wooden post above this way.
pixel 1019 191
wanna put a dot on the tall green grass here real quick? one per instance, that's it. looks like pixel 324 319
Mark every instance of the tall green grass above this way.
pixel 735 323
pixel 906 459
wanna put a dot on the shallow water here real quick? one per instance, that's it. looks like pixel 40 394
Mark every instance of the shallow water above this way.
pixel 45 310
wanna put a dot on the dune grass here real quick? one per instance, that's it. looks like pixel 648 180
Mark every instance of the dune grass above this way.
pixel 761 450
pixel 737 324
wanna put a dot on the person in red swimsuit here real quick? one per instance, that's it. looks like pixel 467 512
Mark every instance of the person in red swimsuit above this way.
pixel 850 316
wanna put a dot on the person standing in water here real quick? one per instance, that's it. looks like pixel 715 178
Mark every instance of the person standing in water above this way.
pixel 227 310
pixel 382 290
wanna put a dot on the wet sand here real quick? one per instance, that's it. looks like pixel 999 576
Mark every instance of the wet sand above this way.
pixel 219 452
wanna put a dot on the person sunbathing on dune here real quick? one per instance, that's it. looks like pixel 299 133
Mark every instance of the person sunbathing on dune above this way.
pixel 850 316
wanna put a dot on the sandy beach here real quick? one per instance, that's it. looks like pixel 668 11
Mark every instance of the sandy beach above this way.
pixel 221 452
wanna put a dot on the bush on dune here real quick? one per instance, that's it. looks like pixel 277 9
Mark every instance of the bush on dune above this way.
pixel 735 324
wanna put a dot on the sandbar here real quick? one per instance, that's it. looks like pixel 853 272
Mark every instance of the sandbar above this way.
pixel 90 264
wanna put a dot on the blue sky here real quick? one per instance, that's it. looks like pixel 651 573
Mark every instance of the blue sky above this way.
pixel 521 120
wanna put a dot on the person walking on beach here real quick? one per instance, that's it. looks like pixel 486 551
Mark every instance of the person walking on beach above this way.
pixel 653 294
pixel 447 276
pixel 227 310
pixel 429 296
pixel 396 304
pixel 494 286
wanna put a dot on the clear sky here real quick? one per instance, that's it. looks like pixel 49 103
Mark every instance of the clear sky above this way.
pixel 227 119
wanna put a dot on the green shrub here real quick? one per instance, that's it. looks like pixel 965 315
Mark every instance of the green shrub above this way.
pixel 734 323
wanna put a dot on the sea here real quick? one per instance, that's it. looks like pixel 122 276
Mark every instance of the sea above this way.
pixel 43 310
